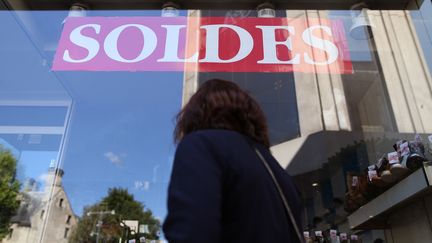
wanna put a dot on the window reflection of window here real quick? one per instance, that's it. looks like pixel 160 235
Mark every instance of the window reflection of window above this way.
pixel 66 232
pixel 61 202
pixel 275 93
pixel 68 219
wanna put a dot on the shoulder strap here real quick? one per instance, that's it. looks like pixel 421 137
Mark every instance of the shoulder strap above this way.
pixel 281 194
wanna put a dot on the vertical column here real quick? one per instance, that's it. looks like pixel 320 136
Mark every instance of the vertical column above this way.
pixel 320 96
pixel 406 74
pixel 307 91
pixel 338 93
pixel 321 100
pixel 190 77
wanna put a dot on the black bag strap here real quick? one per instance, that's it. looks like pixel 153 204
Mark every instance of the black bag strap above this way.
pixel 281 194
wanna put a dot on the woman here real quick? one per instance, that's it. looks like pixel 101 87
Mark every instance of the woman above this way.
pixel 220 190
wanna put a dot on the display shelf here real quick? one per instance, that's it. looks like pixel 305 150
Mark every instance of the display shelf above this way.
pixel 374 214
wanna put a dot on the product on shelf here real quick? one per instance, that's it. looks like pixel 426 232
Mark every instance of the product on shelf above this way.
pixel 397 169
pixel 416 155
pixel 375 172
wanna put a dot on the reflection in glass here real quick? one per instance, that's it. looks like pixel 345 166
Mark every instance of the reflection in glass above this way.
pixel 85 142
pixel 94 150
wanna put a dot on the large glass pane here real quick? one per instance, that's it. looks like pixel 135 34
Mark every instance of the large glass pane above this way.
pixel 93 149
pixel 87 108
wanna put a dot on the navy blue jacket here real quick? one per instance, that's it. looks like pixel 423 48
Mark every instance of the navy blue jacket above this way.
pixel 220 192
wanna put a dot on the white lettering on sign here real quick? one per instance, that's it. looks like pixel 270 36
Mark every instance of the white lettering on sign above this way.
pixel 212 43
pixel 269 37
pixel 321 44
pixel 172 45
pixel 252 44
pixel 111 41
pixel 88 43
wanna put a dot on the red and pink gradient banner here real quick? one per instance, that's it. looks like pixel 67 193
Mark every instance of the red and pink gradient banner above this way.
pixel 213 44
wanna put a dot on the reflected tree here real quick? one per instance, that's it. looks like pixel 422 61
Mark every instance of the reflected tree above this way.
pixel 9 189
pixel 105 220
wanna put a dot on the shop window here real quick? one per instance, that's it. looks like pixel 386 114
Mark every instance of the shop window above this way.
pixel 349 122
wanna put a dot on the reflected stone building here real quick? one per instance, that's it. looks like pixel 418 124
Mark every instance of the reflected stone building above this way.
pixel 43 216
pixel 387 97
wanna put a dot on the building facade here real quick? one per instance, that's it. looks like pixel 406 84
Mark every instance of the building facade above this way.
pixel 31 224
pixel 346 88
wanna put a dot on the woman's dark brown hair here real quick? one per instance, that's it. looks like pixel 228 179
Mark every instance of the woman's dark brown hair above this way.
pixel 220 104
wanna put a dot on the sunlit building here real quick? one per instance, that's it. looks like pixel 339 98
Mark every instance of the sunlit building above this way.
pixel 30 224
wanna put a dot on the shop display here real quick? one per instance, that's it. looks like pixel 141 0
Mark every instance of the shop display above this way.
pixel 330 236
pixel 390 169
pixel 365 180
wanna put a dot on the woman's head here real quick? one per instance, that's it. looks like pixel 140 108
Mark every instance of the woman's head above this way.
pixel 220 104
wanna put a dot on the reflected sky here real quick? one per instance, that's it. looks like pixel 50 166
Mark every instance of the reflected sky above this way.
pixel 119 133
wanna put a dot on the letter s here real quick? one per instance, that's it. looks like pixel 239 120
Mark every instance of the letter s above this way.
pixel 86 42
pixel 321 44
